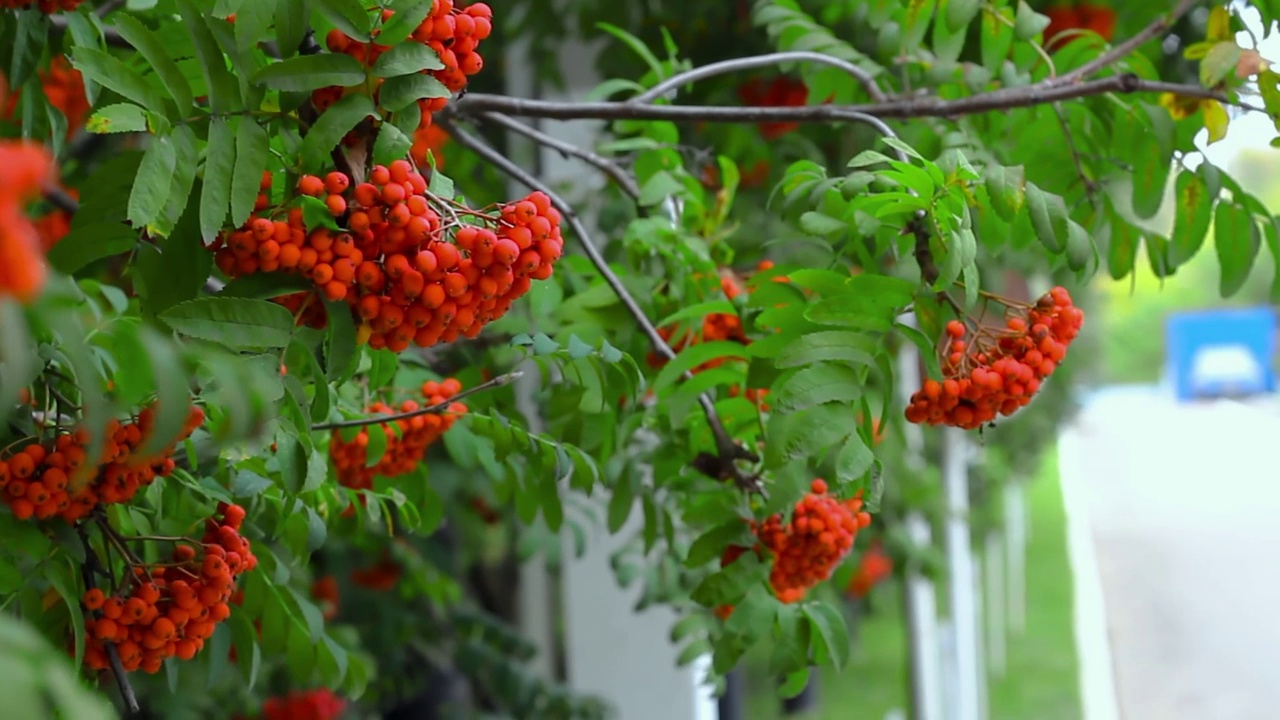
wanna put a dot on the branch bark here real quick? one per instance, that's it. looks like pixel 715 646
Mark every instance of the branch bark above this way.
pixel 601 163
pixel 474 104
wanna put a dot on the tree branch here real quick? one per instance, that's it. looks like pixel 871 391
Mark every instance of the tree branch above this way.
pixel 474 104
pixel 91 567
pixel 1157 27
pixel 428 410
pixel 726 67
pixel 728 450
pixel 61 200
pixel 605 165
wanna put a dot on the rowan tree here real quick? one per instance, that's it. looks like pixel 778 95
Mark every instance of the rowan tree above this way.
pixel 265 365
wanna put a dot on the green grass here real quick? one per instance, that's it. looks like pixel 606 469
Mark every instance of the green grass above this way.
pixel 1042 679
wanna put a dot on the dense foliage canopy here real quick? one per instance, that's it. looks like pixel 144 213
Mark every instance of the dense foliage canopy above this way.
pixel 278 344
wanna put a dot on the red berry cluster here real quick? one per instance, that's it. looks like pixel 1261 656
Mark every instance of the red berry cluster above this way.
pixel 24 168
pixel 43 482
pixel 319 704
pixel 990 371
pixel 63 87
pixel 808 548
pixel 873 567
pixel 48 7
pixel 454 33
pixel 407 443
pixel 394 263
pixel 382 576
pixel 170 609
pixel 782 91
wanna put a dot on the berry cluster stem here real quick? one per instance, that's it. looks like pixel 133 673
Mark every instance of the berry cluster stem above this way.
pixel 92 566
pixel 498 381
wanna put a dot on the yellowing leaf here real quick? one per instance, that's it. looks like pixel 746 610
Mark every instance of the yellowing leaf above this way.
pixel 1219 24
pixel 1215 120
pixel 1179 107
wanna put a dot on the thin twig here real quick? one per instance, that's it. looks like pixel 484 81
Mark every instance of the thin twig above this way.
pixel 91 567
pixel 728 450
pixel 916 107
pixel 1090 188
pixel 61 199
pixel 109 7
pixel 1119 52
pixel 428 410
pixel 605 165
pixel 725 67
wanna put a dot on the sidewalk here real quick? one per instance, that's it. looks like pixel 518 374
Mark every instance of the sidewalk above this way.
pixel 1183 504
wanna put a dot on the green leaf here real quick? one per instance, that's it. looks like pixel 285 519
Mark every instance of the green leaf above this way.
pixel 1237 240
pixel 292 17
pixel 816 223
pixel 173 394
pixel 1193 212
pixel 89 243
pixel 1151 168
pixel 115 75
pixel 829 346
pixel 1028 22
pixel 153 183
pixel 219 162
pixel 960 13
pixel 997 36
pixel 184 177
pixel 1080 248
pixel 117 118
pixel 340 349
pixel 253 150
pixel 223 90
pixel 153 51
pixel 1007 188
pixel 329 129
pixel 1219 62
pixel 1122 248
pixel 712 543
pixel 400 92
pixel 407 59
pixel 238 323
pixel 1048 218
pixel 693 356
pixel 817 385
pixel 829 628
pixel 392 144
pixel 349 16
pixel 62 573
pixel 854 459
pixel 305 73
pixel 30 36
pixel 404 22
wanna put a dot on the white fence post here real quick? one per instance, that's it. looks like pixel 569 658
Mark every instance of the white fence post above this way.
pixel 960 565
pixel 993 562
pixel 1015 512
pixel 924 650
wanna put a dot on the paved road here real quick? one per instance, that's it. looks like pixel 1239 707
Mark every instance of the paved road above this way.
pixel 1185 508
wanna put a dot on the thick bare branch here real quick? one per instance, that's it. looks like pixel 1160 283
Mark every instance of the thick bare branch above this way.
pixel 726 67
pixel 996 100
pixel 728 450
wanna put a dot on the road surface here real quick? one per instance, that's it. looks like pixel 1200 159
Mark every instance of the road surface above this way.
pixel 1184 504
